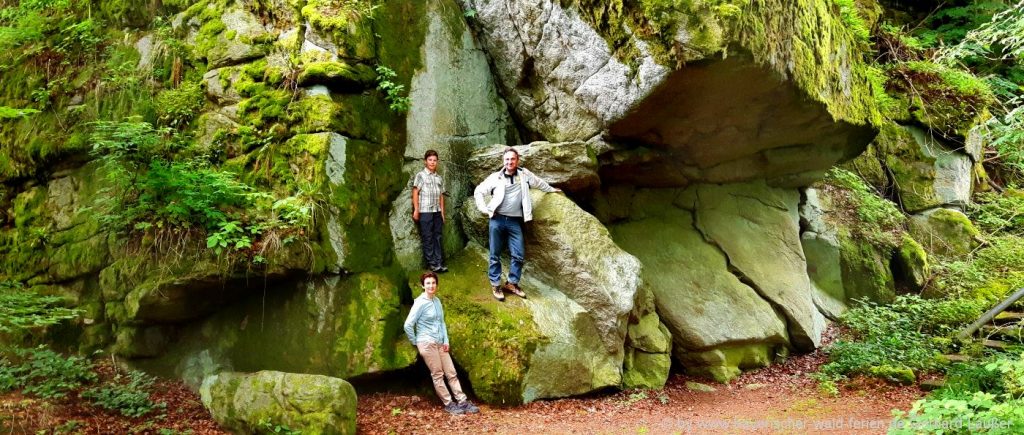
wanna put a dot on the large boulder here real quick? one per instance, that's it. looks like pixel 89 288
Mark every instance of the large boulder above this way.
pixel 703 304
pixel 747 220
pixel 520 350
pixel 573 252
pixel 944 232
pixel 255 403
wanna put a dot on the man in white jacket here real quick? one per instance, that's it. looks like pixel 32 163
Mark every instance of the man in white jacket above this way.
pixel 508 208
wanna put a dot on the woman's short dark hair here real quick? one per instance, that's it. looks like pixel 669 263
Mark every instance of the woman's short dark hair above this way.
pixel 429 153
pixel 428 274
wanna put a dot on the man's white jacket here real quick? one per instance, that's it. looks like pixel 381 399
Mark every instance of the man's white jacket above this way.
pixel 494 185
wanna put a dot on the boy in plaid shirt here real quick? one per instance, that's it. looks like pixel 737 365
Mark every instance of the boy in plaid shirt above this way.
pixel 428 210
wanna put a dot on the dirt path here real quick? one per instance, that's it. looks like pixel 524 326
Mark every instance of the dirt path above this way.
pixel 779 399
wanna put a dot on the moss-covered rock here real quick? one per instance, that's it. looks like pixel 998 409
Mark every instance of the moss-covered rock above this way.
pixel 519 351
pixel 723 364
pixel 645 370
pixel 926 172
pixel 911 265
pixel 312 404
pixel 944 232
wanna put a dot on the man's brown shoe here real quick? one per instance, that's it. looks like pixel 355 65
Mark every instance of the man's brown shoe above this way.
pixel 514 289
pixel 497 293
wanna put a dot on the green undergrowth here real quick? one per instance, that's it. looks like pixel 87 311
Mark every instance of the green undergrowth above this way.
pixel 877 220
pixel 979 396
pixel 897 341
pixel 160 182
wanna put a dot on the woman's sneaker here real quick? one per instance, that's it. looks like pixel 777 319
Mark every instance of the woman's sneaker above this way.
pixel 468 407
pixel 454 409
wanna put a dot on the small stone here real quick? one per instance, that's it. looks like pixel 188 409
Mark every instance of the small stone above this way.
pixel 753 387
pixel 699 387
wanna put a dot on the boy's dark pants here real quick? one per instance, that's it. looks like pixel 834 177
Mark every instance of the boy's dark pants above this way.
pixel 430 236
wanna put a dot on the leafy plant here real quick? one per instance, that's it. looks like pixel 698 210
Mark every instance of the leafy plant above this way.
pixel 128 395
pixel 893 341
pixel 24 309
pixel 44 373
pixel 393 92
pixel 270 427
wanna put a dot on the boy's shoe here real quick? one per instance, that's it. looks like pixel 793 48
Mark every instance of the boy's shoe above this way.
pixel 514 289
pixel 497 293
pixel 468 407
pixel 454 409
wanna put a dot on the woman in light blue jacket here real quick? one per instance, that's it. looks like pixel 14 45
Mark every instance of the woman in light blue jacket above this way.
pixel 427 331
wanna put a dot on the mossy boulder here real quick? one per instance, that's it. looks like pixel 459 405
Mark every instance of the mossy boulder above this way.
pixel 926 171
pixel 312 404
pixel 572 251
pixel 645 370
pixel 520 350
pixel 911 265
pixel 725 363
pixel 337 75
pixel 944 232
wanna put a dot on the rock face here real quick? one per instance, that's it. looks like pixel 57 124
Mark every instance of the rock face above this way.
pixel 574 70
pixel 336 326
pixel 310 403
pixel 454 109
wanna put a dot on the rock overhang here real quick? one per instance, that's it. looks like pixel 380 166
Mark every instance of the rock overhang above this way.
pixel 726 120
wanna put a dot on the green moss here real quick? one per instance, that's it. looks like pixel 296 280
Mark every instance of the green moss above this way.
pixel 881 222
pixel 336 73
pixel 807 42
pixel 724 362
pixel 492 340
pixel 313 114
pixel 949 100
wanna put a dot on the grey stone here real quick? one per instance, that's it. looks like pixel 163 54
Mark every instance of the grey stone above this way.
pixel 703 304
pixel 570 249
pixel 748 220
pixel 247 30
pixel 568 165
pixel 222 91
pixel 699 387
pixel 926 172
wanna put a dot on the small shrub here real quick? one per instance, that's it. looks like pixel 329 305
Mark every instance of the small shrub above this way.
pixel 177 107
pixel 23 309
pixel 889 341
pixel 128 395
pixel 393 92
pixel 45 373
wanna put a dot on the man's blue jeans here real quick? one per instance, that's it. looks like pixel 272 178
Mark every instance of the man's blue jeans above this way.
pixel 502 229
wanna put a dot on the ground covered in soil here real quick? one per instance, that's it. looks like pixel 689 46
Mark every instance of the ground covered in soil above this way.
pixel 778 399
